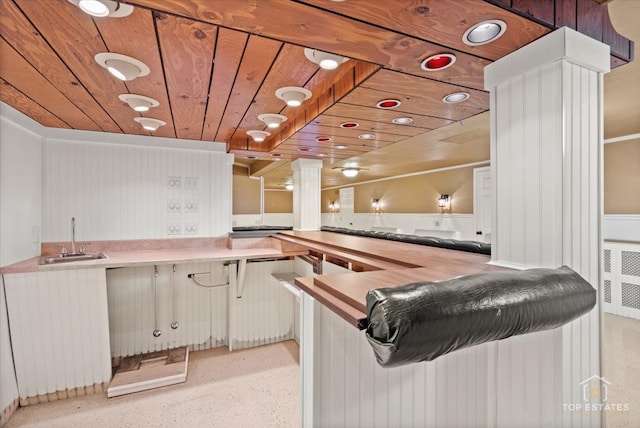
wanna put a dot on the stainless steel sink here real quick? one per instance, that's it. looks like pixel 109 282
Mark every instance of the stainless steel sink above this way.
pixel 67 258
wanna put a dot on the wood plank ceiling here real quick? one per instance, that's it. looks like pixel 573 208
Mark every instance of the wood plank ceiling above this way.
pixel 216 64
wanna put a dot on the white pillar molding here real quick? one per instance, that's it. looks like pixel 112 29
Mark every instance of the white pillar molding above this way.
pixel 546 145
pixel 306 193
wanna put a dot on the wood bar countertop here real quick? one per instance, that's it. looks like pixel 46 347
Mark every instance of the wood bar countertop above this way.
pixel 398 264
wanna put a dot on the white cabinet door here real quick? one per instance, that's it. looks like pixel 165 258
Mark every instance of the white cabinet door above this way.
pixel 482 203
pixel 59 330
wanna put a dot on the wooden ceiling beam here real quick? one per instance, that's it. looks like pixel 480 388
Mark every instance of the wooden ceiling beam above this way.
pixel 26 105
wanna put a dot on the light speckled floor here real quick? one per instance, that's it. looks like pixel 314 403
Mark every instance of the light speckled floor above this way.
pixel 256 387
pixel 621 367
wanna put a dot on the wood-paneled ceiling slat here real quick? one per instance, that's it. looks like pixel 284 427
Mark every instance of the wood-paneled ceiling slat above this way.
pixel 18 32
pixel 385 116
pixel 299 24
pixel 437 20
pixel 135 36
pixel 228 54
pixel 258 57
pixel 15 70
pixel 315 129
pixel 26 105
pixel 368 126
pixel 290 68
pixel 187 49
pixel 76 41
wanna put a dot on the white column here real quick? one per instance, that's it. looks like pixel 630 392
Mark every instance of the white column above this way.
pixel 546 139
pixel 306 193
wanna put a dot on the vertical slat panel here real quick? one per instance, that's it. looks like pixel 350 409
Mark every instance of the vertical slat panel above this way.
pixel 121 192
pixel 59 330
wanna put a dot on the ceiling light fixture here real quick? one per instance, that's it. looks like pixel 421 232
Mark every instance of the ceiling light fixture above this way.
pixel 438 62
pixel 304 149
pixel 293 95
pixel 276 156
pixel 150 124
pixel 288 186
pixel 323 139
pixel 139 103
pixel 341 147
pixel 252 157
pixel 272 120
pixel 402 120
pixel 258 136
pixel 388 104
pixel 121 66
pixel 325 60
pixel 484 32
pixel 102 8
pixel 366 136
pixel 456 97
pixel 350 172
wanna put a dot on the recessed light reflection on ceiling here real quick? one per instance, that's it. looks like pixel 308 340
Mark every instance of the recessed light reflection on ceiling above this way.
pixel 341 147
pixel 484 32
pixel 366 136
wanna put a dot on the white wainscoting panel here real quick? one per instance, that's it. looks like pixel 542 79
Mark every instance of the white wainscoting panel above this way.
pixel 352 390
pixel 59 329
pixel 8 386
pixel 267 219
pixel 265 311
pixel 201 313
pixel 457 226
pixel 117 191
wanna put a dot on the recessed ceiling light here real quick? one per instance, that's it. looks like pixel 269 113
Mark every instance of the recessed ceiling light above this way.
pixel 438 62
pixel 402 120
pixel 252 157
pixel 121 66
pixel 321 155
pixel 349 125
pixel 323 139
pixel 102 8
pixel 456 97
pixel 276 155
pixel 139 103
pixel 150 124
pixel 304 149
pixel 293 95
pixel 258 136
pixel 272 120
pixel 484 32
pixel 288 186
pixel 388 104
pixel 341 147
pixel 325 60
pixel 366 136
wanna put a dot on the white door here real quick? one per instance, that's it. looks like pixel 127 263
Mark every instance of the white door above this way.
pixel 346 207
pixel 482 203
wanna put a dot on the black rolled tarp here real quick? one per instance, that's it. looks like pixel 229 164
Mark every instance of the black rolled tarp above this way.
pixel 422 321
pixel 431 241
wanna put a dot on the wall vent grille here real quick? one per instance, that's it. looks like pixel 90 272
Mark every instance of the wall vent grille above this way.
pixel 631 295
pixel 607 260
pixel 631 263
pixel 607 291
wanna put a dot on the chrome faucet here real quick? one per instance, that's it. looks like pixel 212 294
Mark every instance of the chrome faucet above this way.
pixel 73 235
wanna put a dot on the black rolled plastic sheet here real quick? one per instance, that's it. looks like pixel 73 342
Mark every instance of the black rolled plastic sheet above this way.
pixel 422 321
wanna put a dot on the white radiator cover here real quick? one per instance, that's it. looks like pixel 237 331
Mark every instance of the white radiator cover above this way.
pixel 621 278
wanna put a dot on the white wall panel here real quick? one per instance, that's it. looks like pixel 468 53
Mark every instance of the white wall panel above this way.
pixel 117 191
pixel 264 312
pixel 201 313
pixel 59 329
pixel 8 386
pixel 621 227
pixel 20 192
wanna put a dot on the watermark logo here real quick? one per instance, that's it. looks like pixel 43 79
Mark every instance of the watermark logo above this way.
pixel 595 397
pixel 594 388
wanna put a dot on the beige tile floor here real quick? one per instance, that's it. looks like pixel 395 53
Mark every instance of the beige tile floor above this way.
pixel 257 387
pixel 621 367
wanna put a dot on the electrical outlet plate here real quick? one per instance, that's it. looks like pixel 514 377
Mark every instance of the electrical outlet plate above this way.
pixel 191 206
pixel 191 229
pixel 174 182
pixel 173 229
pixel 174 206
pixel 191 183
